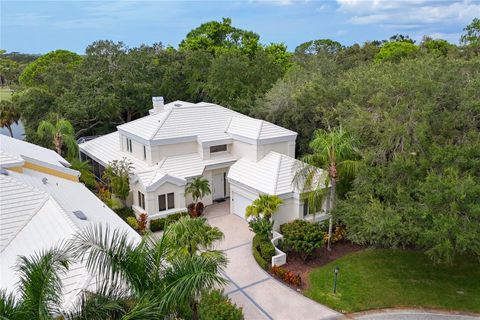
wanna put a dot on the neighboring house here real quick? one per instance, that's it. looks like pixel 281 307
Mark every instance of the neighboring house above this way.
pixel 41 205
pixel 242 157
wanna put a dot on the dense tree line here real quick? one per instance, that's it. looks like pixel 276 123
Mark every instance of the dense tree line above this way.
pixel 413 108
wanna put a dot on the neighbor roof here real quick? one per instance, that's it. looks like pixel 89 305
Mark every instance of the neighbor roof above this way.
pixel 203 122
pixel 274 174
pixel 20 149
pixel 37 213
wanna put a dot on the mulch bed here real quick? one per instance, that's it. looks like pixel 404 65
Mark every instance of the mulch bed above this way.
pixel 319 258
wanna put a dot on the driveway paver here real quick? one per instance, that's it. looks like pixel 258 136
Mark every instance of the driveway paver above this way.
pixel 250 287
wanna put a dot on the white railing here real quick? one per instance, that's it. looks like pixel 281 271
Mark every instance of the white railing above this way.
pixel 280 257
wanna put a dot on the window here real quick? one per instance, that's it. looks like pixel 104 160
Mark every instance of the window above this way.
pixel 305 208
pixel 162 204
pixel 141 200
pixel 129 145
pixel 166 201
pixel 219 148
pixel 171 200
pixel 144 153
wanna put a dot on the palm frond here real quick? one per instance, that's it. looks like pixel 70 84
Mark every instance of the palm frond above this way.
pixel 40 284
pixel 45 129
pixel 9 307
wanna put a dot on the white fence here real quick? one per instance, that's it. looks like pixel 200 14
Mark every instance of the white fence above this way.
pixel 280 257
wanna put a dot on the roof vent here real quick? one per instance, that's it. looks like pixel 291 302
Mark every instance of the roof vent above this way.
pixel 44 180
pixel 80 215
pixel 3 172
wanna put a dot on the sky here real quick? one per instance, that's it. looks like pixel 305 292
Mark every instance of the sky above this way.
pixel 43 26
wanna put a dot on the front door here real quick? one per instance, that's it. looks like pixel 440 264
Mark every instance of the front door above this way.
pixel 218 186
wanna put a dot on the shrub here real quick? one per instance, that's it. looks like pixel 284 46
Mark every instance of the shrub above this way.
pixel 261 226
pixel 263 251
pixel 302 237
pixel 216 306
pixel 287 276
pixel 199 209
pixel 157 225
pixel 142 222
pixel 124 212
pixel 132 222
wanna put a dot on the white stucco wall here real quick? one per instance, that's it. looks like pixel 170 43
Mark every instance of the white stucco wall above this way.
pixel 159 152
pixel 137 150
pixel 245 150
pixel 151 198
pixel 286 147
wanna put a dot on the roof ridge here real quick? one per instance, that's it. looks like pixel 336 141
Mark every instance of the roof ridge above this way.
pixel 278 173
pixel 169 112
pixel 41 205
pixel 260 129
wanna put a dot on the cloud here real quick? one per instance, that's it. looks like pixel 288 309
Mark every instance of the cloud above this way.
pixel 409 12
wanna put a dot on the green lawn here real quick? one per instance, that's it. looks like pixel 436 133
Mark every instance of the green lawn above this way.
pixel 5 94
pixel 376 278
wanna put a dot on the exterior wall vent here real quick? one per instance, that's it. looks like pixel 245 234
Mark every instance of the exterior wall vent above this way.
pixel 80 215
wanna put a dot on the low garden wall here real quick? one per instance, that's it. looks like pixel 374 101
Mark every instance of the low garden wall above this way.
pixel 280 257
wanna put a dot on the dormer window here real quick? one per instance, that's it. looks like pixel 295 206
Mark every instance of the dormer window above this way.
pixel 219 148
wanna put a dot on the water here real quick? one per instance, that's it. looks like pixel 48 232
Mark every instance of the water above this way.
pixel 18 131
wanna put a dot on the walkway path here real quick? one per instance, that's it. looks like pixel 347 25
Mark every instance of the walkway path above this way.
pixel 392 314
pixel 260 295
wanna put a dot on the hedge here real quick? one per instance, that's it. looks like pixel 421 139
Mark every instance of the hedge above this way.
pixel 263 251
pixel 159 224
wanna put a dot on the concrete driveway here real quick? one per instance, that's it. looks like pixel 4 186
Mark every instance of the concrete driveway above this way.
pixel 260 295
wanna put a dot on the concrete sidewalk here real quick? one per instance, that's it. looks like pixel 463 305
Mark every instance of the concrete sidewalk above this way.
pixel 260 295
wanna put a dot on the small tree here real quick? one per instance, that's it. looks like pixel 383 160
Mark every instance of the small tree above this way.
pixel 62 136
pixel 86 174
pixel 117 174
pixel 199 187
pixel 262 209
pixel 9 115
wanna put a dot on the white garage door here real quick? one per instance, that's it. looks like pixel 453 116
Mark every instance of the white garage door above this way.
pixel 240 203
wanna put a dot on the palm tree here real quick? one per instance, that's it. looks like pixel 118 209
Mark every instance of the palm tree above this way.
pixel 86 172
pixel 199 187
pixel 9 115
pixel 62 136
pixel 158 281
pixel 334 151
pixel 39 287
pixel 190 236
pixel 264 206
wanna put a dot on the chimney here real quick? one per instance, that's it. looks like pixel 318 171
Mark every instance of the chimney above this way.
pixel 157 105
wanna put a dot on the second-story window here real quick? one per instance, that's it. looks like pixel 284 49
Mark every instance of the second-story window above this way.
pixel 219 148
pixel 144 153
pixel 129 145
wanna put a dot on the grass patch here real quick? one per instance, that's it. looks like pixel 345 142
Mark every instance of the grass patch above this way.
pixel 5 94
pixel 377 278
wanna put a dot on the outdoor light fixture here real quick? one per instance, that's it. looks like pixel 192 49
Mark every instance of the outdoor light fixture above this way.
pixel 335 279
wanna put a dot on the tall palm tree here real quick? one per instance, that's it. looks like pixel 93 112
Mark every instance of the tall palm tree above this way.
pixel 334 151
pixel 39 287
pixel 144 280
pixel 9 115
pixel 264 206
pixel 62 136
pixel 190 236
pixel 199 187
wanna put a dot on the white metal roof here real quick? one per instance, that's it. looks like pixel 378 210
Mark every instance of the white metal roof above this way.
pixel 107 148
pixel 202 122
pixel 18 148
pixel 177 169
pixel 36 213
pixel 274 174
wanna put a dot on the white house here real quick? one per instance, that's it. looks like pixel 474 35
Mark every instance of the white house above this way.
pixel 242 157
pixel 42 204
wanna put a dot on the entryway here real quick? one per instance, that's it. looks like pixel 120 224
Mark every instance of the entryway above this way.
pixel 219 184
